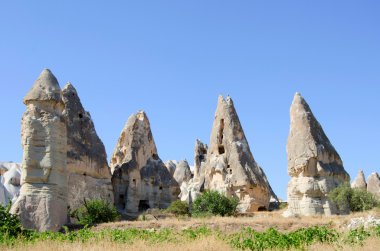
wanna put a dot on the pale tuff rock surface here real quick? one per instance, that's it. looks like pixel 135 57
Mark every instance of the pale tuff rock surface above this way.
pixel 140 179
pixel 182 172
pixel 230 167
pixel 42 203
pixel 313 164
pixel 10 182
pixel 89 176
pixel 171 165
pixel 359 181
pixel 373 184
pixel 192 188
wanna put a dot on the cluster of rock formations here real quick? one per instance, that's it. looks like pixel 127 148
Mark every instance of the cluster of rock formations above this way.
pixel 314 165
pixel 372 186
pixel 64 163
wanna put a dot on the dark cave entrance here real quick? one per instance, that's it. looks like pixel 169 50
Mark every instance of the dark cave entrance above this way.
pixel 144 205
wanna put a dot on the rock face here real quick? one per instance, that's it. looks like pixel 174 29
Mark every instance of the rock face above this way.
pixel 359 181
pixel 313 164
pixel 42 204
pixel 140 179
pixel 192 188
pixel 89 176
pixel 182 172
pixel 10 182
pixel 373 184
pixel 230 167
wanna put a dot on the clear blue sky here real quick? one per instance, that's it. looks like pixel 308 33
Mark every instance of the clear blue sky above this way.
pixel 173 59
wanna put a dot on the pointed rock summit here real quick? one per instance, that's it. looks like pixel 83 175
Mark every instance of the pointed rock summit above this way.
pixel 140 179
pixel 359 181
pixel 373 184
pixel 89 176
pixel 42 204
pixel 46 87
pixel 314 165
pixel 230 167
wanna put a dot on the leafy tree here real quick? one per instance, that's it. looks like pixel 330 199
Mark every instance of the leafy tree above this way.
pixel 95 211
pixel 9 224
pixel 178 208
pixel 214 203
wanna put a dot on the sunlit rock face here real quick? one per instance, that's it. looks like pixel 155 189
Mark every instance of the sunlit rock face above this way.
pixel 313 164
pixel 10 179
pixel 359 182
pixel 230 167
pixel 42 204
pixel 192 188
pixel 373 184
pixel 140 179
pixel 89 176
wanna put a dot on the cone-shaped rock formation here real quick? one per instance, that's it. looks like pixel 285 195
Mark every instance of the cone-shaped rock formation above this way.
pixel 89 176
pixel 140 179
pixel 42 203
pixel 359 181
pixel 313 164
pixel 373 184
pixel 230 167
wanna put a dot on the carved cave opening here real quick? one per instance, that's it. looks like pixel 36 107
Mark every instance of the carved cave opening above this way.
pixel 144 205
pixel 221 149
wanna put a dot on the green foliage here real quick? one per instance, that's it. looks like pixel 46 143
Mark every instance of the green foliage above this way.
pixel 10 225
pixel 178 208
pixel 95 211
pixel 357 236
pixel 273 239
pixel 212 202
pixel 354 199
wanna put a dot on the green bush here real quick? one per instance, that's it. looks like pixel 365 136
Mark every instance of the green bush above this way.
pixel 214 203
pixel 178 208
pixel 95 211
pixel 354 199
pixel 9 224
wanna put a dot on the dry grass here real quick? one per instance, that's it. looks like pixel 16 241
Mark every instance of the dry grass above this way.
pixel 258 221
pixel 207 244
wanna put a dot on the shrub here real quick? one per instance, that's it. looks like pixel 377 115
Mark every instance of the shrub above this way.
pixel 9 224
pixel 353 198
pixel 95 211
pixel 178 208
pixel 214 203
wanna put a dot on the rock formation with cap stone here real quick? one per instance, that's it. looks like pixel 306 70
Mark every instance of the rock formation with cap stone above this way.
pixel 42 203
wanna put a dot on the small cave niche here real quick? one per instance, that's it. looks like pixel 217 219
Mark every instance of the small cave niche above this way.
pixel 80 115
pixel 221 149
pixel 144 205
pixel 261 209
pixel 134 182
pixel 160 187
pixel 155 156
pixel 221 132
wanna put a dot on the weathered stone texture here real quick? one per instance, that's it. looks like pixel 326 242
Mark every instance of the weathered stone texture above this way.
pixel 42 203
pixel 359 181
pixel 140 179
pixel 313 164
pixel 230 167
pixel 373 184
pixel 10 182
pixel 89 176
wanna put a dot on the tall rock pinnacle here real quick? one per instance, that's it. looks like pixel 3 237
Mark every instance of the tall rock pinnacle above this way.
pixel 359 181
pixel 89 176
pixel 313 163
pixel 42 203
pixel 230 167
